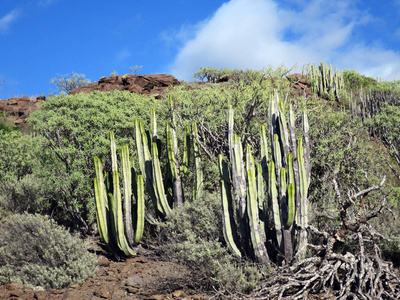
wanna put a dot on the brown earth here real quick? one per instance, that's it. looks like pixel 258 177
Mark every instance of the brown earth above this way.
pixel 142 277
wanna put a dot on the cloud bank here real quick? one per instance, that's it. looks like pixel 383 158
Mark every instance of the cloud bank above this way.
pixel 259 33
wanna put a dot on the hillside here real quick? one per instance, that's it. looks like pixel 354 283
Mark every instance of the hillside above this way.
pixel 255 184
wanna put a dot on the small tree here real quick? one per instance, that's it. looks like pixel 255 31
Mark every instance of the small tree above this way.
pixel 136 69
pixel 65 83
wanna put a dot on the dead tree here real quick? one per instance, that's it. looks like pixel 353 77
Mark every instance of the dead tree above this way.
pixel 356 274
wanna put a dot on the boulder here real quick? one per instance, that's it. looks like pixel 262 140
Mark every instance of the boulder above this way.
pixel 300 84
pixel 152 85
pixel 20 108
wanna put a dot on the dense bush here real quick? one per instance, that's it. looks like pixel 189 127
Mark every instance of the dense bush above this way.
pixel 355 81
pixel 192 235
pixel 342 148
pixel 35 251
pixel 22 195
pixel 18 154
pixel 74 130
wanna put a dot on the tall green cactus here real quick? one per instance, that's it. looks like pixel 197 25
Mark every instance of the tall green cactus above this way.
pixel 173 156
pixel 101 201
pixel 228 221
pixel 198 188
pixel 114 215
pixel 283 178
pixel 326 82
pixel 121 218
pixel 158 186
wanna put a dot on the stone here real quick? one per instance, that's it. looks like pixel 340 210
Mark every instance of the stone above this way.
pixel 300 84
pixel 178 294
pixel 152 85
pixel 135 280
pixel 41 295
pixel 19 109
pixel 132 290
pixel 103 261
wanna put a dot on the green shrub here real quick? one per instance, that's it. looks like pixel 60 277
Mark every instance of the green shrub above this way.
pixel 65 83
pixel 355 81
pixel 35 251
pixel 341 148
pixel 192 234
pixel 17 154
pixel 74 130
pixel 21 195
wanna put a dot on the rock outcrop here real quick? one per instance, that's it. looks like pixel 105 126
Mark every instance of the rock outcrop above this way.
pixel 152 85
pixel 300 84
pixel 18 109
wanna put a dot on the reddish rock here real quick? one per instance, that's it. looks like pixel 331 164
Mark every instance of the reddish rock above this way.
pixel 20 108
pixel 153 85
pixel 41 295
pixel 300 84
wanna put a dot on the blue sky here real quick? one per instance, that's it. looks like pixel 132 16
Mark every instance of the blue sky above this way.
pixel 42 38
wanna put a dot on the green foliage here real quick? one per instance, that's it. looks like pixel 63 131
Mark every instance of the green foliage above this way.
pixel 74 130
pixel 355 81
pixel 191 234
pixel 65 83
pixel 22 195
pixel 136 69
pixel 211 74
pixel 206 105
pixel 35 251
pixel 245 76
pixel 341 148
pixel 5 128
pixel 17 154
pixel 387 125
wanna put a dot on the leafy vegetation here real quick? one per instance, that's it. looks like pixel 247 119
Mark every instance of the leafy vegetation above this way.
pixel 65 83
pixel 35 251
pixel 353 189
pixel 74 129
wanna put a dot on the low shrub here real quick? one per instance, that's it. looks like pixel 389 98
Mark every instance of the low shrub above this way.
pixel 21 195
pixel 192 234
pixel 35 251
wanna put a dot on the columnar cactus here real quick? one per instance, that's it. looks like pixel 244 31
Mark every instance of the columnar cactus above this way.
pixel 113 214
pixel 325 82
pixel 198 188
pixel 287 184
pixel 121 219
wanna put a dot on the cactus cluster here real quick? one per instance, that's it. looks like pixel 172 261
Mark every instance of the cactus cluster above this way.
pixel 326 82
pixel 121 219
pixel 115 218
pixel 267 201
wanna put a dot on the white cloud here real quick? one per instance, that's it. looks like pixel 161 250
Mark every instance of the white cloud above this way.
pixel 258 33
pixel 7 20
pixel 123 54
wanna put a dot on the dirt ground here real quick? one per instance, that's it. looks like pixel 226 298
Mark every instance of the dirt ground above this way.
pixel 141 277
